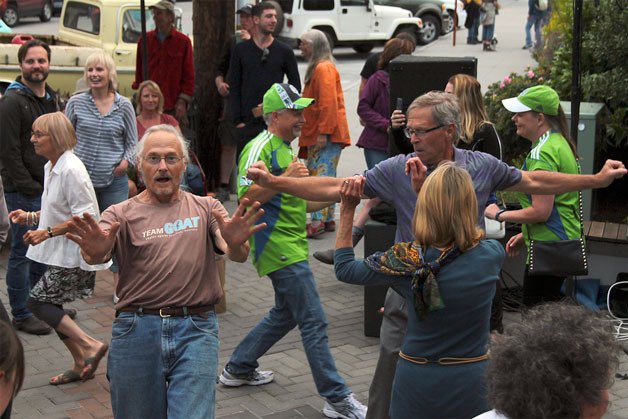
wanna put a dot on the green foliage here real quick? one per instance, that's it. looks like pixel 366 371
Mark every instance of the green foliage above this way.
pixel 604 62
pixel 604 70
pixel 513 145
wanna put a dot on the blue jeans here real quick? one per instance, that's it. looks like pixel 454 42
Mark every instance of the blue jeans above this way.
pixel 163 367
pixel 472 35
pixel 22 273
pixel 296 303
pixel 110 195
pixel 373 157
pixel 117 192
pixel 536 21
pixel 487 33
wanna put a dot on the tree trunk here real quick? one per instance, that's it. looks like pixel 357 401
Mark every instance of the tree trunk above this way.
pixel 213 24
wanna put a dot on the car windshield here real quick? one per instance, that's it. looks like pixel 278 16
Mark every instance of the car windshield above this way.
pixel 132 25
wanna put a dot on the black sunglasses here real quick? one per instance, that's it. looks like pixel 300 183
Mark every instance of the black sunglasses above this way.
pixel 265 53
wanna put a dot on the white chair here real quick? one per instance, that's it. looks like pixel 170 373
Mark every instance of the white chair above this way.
pixel 619 321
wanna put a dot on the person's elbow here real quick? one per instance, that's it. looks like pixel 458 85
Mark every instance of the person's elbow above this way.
pixel 541 214
pixel 344 267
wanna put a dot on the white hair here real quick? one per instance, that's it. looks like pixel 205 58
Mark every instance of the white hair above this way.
pixel 139 148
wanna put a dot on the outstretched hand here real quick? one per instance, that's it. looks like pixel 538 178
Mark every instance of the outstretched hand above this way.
pixel 95 243
pixel 612 169
pixel 417 172
pixel 351 191
pixel 241 226
pixel 258 173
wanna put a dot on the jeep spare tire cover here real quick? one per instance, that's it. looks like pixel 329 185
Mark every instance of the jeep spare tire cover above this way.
pixel 280 17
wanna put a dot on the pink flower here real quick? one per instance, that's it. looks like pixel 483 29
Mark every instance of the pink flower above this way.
pixel 502 85
pixel 540 79
pixel 507 80
pixel 530 74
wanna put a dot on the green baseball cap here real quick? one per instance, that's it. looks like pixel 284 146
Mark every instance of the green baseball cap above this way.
pixel 542 99
pixel 284 96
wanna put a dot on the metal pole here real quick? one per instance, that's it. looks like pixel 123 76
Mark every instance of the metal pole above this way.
pixel 576 53
pixel 144 43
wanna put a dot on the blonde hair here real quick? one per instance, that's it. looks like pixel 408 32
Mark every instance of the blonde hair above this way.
pixel 149 84
pixel 59 128
pixel 472 111
pixel 446 212
pixel 100 57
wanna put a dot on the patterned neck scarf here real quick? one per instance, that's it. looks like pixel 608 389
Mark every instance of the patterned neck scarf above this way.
pixel 406 259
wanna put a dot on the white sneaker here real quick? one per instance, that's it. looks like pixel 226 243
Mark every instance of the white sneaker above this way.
pixel 255 378
pixel 347 408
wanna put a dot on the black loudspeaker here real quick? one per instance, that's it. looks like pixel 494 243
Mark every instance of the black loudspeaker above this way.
pixel 412 76
pixel 377 237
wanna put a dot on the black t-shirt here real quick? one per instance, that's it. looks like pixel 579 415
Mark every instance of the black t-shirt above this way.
pixel 252 72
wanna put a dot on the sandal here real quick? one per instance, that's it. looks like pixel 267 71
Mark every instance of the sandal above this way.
pixel 91 363
pixel 66 377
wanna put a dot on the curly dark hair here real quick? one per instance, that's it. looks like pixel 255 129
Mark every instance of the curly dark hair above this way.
pixel 558 358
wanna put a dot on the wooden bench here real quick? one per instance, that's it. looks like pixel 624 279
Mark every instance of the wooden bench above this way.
pixel 607 238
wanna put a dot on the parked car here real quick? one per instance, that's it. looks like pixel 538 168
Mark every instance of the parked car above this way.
pixel 57 5
pixel 12 11
pixel 462 15
pixel 360 24
pixel 433 13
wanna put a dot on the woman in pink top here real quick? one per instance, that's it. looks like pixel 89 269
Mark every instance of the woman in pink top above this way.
pixel 150 112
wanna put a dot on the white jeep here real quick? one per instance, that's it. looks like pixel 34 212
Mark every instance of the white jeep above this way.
pixel 356 23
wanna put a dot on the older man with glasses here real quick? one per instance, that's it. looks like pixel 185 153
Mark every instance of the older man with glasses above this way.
pixel 433 125
pixel 164 348
pixel 255 65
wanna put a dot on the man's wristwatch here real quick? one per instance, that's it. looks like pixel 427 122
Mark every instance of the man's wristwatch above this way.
pixel 499 213
pixel 50 232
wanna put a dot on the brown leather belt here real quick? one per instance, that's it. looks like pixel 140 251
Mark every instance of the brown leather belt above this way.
pixel 169 311
pixel 443 361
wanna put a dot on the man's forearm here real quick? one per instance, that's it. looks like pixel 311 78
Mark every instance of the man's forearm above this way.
pixel 312 188
pixel 542 182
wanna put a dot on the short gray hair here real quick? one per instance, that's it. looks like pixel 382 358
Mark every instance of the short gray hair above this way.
pixel 268 117
pixel 558 358
pixel 139 148
pixel 445 109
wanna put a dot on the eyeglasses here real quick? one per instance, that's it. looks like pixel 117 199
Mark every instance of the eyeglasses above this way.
pixel 154 159
pixel 409 132
pixel 265 54
pixel 38 134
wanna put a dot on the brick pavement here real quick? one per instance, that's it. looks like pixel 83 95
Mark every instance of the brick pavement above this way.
pixel 291 395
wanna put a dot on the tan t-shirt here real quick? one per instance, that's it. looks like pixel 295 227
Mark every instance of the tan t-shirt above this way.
pixel 165 252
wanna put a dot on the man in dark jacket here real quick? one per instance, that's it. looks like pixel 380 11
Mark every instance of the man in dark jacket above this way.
pixel 27 98
pixel 255 66
pixel 227 136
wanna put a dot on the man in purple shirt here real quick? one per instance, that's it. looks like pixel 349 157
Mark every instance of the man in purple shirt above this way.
pixel 433 126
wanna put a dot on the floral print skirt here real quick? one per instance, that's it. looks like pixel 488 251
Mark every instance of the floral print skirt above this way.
pixel 62 285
